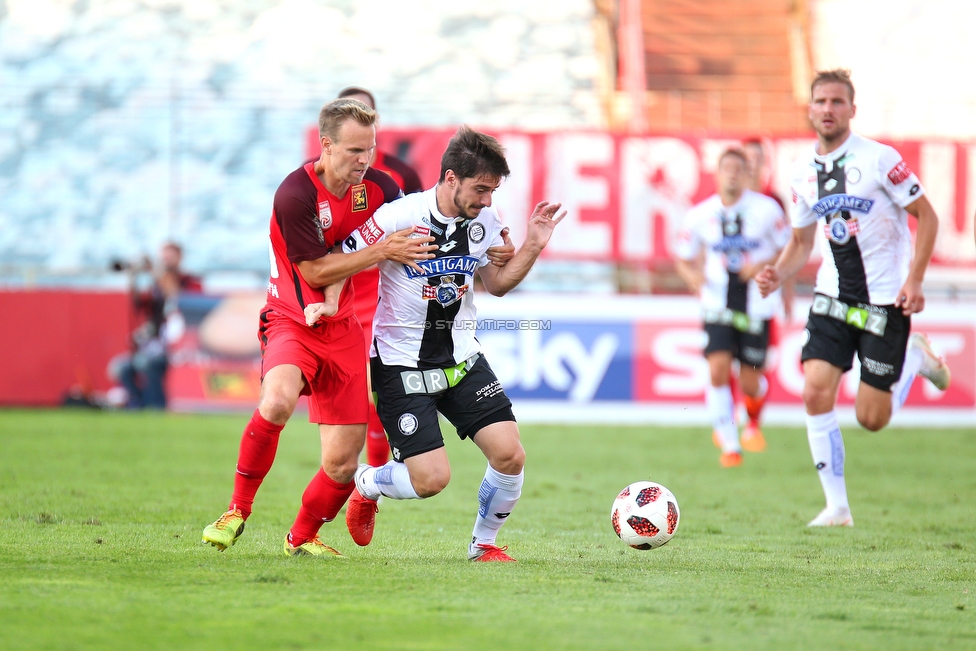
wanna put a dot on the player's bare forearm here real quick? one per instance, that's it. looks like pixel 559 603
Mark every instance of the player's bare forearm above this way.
pixel 400 247
pixel 928 228
pixel 331 294
pixel 501 280
pixel 796 252
pixel 337 266
pixel 690 273
pixel 911 297
pixel 794 255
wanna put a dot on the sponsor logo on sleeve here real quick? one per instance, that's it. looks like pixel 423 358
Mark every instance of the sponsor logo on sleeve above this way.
pixel 325 215
pixel 899 172
pixel 370 232
pixel 359 202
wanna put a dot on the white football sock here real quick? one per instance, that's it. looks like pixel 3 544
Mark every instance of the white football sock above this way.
pixel 391 479
pixel 827 448
pixel 496 498
pixel 914 358
pixel 720 409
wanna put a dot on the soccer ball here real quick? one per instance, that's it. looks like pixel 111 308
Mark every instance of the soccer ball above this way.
pixel 645 515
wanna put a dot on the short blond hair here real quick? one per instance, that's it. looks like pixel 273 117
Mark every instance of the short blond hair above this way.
pixel 837 75
pixel 335 113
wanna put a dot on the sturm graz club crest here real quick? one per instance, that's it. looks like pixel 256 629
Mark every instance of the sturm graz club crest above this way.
pixel 407 423
pixel 476 232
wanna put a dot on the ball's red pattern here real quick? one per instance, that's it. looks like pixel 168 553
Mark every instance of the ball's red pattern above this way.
pixel 648 495
pixel 672 517
pixel 642 526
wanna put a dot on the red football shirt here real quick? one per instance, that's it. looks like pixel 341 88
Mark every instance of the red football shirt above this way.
pixel 404 175
pixel 306 222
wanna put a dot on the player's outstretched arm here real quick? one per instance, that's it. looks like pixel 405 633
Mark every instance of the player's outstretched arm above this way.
pixel 690 271
pixel 404 246
pixel 795 254
pixel 501 280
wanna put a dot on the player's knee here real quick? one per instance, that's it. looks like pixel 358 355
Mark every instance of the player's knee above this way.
pixel 276 407
pixel 510 461
pixel 817 400
pixel 341 471
pixel 432 482
pixel 872 421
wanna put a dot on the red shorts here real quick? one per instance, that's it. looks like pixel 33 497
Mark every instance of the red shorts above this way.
pixel 366 283
pixel 331 360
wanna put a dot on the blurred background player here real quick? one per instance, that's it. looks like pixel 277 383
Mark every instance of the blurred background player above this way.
pixel 724 241
pixel 860 193
pixel 759 179
pixel 142 371
pixel 315 207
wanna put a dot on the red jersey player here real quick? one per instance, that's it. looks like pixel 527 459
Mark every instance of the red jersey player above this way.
pixel 315 208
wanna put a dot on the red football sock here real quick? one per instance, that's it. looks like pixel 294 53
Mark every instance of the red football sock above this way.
pixel 377 448
pixel 754 406
pixel 321 502
pixel 258 447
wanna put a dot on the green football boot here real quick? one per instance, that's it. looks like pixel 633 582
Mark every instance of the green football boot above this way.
pixel 314 547
pixel 225 531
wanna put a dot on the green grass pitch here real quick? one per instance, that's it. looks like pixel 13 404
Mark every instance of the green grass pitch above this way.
pixel 101 515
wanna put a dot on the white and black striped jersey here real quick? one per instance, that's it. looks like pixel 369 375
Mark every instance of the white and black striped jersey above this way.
pixel 858 193
pixel 428 320
pixel 752 230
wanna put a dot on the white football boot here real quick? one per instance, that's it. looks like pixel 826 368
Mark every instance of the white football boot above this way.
pixel 833 517
pixel 934 367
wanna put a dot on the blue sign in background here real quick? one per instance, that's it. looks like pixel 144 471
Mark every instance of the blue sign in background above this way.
pixel 562 360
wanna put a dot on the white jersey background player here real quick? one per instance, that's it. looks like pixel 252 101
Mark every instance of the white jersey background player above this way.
pixel 425 358
pixel 723 242
pixel 858 193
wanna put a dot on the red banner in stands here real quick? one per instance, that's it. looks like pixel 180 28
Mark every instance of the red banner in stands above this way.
pixel 627 195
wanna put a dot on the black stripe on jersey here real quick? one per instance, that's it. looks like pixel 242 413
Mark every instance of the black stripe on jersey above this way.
pixel 437 344
pixel 298 288
pixel 852 282
pixel 736 294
